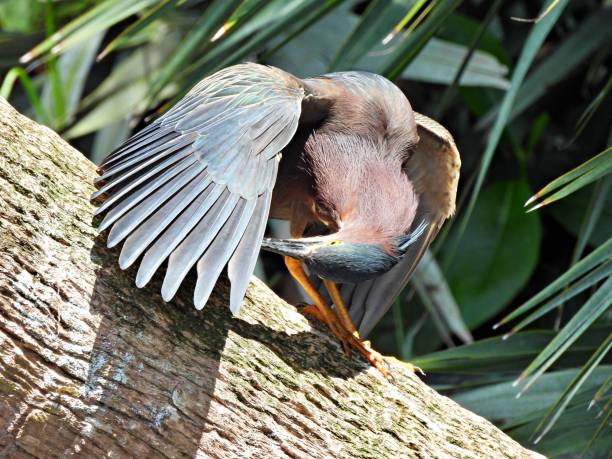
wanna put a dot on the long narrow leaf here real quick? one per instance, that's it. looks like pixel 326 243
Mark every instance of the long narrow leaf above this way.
pixel 591 109
pixel 534 41
pixel 572 52
pixel 605 423
pixel 268 25
pixel 566 397
pixel 98 18
pixel 318 14
pixel 72 69
pixel 267 34
pixel 450 91
pixel 411 45
pixel 587 281
pixel 510 356
pixel 591 216
pixel 599 255
pixel 7 87
pixel 588 313
pixel 201 33
pixel 430 282
pixel 376 22
pixel 145 20
pixel 580 176
pixel 600 394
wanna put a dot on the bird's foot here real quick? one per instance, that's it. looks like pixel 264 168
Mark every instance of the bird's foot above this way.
pixel 351 341
pixel 374 357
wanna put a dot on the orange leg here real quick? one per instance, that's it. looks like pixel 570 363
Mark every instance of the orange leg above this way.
pixel 348 337
pixel 364 347
pixel 343 315
pixel 320 309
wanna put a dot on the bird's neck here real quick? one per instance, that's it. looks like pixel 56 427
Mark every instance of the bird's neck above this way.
pixel 360 187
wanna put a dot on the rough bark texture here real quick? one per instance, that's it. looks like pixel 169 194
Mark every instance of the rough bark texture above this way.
pixel 90 366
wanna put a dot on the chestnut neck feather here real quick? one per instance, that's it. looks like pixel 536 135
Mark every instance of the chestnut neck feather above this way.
pixel 360 187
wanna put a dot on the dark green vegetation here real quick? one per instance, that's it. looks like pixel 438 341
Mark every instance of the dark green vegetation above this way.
pixel 528 102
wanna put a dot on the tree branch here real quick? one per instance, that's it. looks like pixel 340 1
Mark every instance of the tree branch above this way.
pixel 91 366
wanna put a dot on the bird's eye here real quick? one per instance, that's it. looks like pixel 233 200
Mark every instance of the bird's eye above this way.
pixel 336 242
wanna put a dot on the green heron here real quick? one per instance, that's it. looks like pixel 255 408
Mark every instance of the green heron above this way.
pixel 364 182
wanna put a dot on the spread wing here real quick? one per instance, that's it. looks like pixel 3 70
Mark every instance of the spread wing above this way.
pixel 434 171
pixel 194 187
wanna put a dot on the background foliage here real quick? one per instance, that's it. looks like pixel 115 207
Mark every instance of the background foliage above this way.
pixel 523 86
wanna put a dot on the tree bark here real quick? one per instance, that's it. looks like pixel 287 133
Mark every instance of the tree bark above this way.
pixel 91 366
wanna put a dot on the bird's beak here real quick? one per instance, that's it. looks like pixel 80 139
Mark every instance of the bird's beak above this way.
pixel 294 248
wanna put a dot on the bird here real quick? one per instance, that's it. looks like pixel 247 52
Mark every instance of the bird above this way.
pixel 364 181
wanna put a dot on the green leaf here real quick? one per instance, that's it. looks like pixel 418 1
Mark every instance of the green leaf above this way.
pixel 108 138
pixel 570 213
pixel 412 44
pixel 198 37
pixel 450 91
pixel 570 53
pixel 440 61
pixel 72 70
pixel 592 108
pixel 312 53
pixel 594 307
pixel 88 24
pixel 570 391
pixel 602 392
pixel 313 19
pixel 376 22
pixel 266 24
pixel 432 287
pixel 605 423
pixel 128 99
pixel 569 436
pixel 125 91
pixel 142 23
pixel 496 354
pixel 498 402
pixel 484 275
pixel 571 181
pixel 7 87
pixel 592 216
pixel 534 41
pixel 302 15
pixel 141 64
pixel 600 255
pixel 585 282
pixel 20 16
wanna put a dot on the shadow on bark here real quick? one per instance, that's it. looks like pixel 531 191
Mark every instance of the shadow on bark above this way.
pixel 186 387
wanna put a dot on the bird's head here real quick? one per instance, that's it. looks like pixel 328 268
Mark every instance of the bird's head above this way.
pixel 344 260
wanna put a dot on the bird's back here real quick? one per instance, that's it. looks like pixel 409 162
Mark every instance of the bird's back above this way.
pixel 367 104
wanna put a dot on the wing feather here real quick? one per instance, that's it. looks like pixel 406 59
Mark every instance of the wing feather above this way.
pixel 146 230
pixel 160 187
pixel 174 234
pixel 220 251
pixel 194 187
pixel 242 262
pixel 195 244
